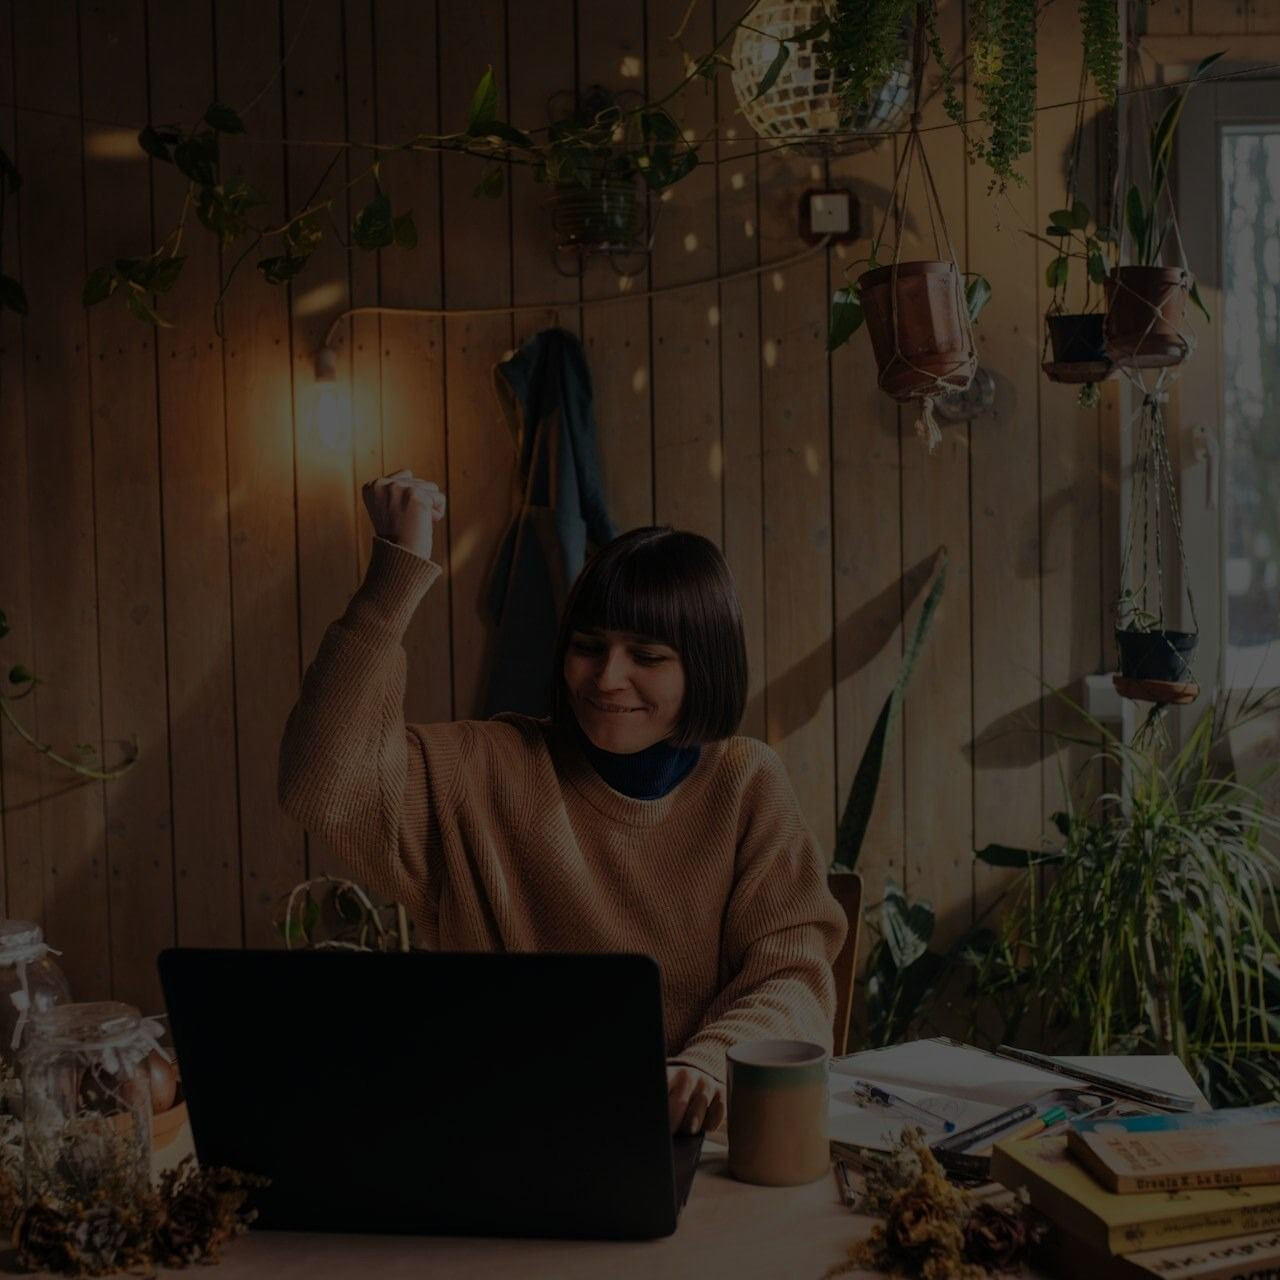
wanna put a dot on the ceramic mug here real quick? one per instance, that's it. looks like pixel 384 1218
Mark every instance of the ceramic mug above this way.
pixel 777 1091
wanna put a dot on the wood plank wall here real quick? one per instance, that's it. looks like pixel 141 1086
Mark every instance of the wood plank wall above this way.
pixel 180 513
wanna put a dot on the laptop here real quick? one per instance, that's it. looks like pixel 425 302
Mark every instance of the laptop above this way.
pixel 441 1093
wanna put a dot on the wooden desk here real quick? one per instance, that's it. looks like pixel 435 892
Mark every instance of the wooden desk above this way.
pixel 727 1229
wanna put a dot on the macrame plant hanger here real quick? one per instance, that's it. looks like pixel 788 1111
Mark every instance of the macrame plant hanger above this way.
pixel 1086 367
pixel 919 359
pixel 1157 345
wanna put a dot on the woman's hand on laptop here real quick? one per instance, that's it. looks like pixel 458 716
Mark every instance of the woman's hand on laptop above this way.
pixel 694 1099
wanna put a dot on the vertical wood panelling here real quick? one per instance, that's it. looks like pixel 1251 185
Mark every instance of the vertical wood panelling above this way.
pixel 264 584
pixel 797 497
pixel 315 107
pixel 481 460
pixel 19 816
pixel 542 69
pixel 688 455
pixel 867 523
pixel 937 718
pixel 1070 602
pixel 611 53
pixel 1169 18
pixel 199 558
pixel 738 249
pixel 1219 17
pixel 1005 524
pixel 413 416
pixel 64 588
pixel 193 499
pixel 126 506
pixel 361 334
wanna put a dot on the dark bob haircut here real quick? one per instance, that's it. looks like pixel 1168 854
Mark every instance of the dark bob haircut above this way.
pixel 676 589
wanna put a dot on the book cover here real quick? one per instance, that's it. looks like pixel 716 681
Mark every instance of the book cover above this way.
pixel 1070 1197
pixel 1255 1257
pixel 1157 1153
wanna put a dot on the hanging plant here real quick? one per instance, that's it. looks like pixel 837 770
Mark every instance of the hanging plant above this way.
pixel 1146 300
pixel 1003 39
pixel 1155 659
pixel 918 313
pixel 1103 48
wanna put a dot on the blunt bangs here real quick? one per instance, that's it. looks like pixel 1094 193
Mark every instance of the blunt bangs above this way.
pixel 673 588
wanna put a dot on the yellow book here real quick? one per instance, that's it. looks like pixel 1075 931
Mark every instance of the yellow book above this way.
pixel 1119 1224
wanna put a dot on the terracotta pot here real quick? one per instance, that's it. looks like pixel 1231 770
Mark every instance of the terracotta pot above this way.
pixel 914 312
pixel 1145 307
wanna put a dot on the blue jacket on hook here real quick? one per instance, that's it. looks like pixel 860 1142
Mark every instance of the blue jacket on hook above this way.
pixel 545 392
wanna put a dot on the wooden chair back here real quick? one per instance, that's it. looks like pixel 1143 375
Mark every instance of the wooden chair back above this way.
pixel 846 888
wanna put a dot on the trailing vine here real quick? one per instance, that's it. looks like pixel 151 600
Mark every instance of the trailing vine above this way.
pixel 862 42
pixel 1003 39
pixel 1103 49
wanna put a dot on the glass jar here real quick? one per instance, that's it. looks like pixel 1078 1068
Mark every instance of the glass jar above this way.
pixel 87 1103
pixel 30 980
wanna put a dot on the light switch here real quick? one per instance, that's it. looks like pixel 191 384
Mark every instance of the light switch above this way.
pixel 831 213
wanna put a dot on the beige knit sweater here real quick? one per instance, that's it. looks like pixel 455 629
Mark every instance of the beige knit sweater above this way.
pixel 498 835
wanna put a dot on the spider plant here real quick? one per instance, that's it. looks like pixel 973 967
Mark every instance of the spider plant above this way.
pixel 1154 929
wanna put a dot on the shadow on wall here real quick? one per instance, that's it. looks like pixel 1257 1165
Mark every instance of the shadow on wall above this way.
pixel 793 697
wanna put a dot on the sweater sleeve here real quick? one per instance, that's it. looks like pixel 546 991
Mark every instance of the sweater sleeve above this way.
pixel 782 931
pixel 350 769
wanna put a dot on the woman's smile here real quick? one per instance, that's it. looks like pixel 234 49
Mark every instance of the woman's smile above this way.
pixel 626 690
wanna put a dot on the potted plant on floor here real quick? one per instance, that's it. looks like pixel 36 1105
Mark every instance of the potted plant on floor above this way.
pixel 1154 930
pixel 1146 299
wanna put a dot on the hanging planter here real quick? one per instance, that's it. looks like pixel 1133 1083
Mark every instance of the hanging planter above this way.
pixel 1145 310
pixel 1154 658
pixel 1147 299
pixel 919 313
pixel 604 217
pixel 918 322
pixel 1074 349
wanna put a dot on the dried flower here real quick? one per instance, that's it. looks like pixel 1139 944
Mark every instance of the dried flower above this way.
pixel 930 1229
pixel 918 1225
pixel 994 1237
pixel 194 1213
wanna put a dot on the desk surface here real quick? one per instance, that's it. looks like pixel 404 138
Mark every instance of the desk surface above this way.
pixel 727 1228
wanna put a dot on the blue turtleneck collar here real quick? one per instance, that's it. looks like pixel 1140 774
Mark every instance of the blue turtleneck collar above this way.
pixel 642 775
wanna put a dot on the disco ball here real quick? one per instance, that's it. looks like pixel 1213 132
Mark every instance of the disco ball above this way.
pixel 804 99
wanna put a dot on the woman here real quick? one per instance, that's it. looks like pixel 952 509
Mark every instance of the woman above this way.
pixel 631 820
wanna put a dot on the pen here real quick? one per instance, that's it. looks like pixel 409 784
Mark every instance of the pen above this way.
pixel 874 1093
pixel 1037 1124
pixel 968 1139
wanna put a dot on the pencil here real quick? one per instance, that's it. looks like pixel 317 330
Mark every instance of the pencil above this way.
pixel 847 1196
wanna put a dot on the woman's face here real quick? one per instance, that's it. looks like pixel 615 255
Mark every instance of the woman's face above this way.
pixel 626 691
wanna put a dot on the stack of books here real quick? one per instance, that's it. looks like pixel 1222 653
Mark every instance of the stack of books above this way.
pixel 1194 1196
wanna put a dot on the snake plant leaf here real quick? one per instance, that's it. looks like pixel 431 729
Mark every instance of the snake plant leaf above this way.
pixel 1135 216
pixel 866 780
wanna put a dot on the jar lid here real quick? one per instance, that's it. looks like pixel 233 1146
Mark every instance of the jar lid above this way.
pixel 19 935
